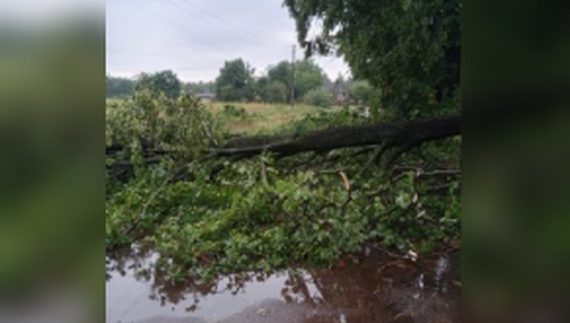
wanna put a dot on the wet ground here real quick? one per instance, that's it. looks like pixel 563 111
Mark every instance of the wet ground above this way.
pixel 371 287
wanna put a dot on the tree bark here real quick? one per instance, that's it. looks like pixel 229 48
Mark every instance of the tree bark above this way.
pixel 401 136
pixel 397 136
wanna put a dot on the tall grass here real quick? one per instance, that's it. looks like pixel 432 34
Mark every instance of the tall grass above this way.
pixel 261 118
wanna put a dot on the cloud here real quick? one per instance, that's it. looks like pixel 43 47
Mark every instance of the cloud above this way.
pixel 194 38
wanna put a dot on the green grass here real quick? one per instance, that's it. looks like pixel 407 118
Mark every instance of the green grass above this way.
pixel 259 118
pixel 262 117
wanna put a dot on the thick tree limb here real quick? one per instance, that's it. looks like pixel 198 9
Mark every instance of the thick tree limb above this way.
pixel 397 136
pixel 401 136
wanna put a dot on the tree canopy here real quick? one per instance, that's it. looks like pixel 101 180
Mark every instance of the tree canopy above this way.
pixel 409 49
pixel 275 92
pixel 235 81
pixel 360 91
pixel 308 76
pixel 165 82
pixel 199 87
pixel 116 87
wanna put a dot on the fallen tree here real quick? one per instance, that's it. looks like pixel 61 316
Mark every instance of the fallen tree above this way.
pixel 178 186
pixel 390 138
pixel 262 206
pixel 400 136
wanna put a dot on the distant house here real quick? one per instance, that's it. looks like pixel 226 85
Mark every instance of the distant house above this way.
pixel 205 97
pixel 341 98
pixel 338 93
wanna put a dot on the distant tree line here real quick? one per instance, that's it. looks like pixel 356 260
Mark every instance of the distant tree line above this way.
pixel 199 87
pixel 161 82
pixel 165 82
pixel 117 87
pixel 236 82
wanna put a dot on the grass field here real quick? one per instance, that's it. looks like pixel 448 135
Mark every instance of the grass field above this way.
pixel 256 118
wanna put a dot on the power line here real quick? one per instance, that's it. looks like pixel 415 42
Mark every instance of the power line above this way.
pixel 165 19
pixel 158 16
pixel 245 31
pixel 245 34
pixel 184 30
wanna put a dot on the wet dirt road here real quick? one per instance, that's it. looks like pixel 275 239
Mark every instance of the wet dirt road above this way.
pixel 366 288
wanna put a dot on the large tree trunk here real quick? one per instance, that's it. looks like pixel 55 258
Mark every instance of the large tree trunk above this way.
pixel 396 137
pixel 402 136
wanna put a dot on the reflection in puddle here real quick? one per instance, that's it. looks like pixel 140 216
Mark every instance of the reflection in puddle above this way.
pixel 368 288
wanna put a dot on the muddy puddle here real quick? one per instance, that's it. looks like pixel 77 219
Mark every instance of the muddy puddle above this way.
pixel 370 287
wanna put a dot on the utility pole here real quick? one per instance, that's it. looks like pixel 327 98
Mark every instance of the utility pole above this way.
pixel 293 78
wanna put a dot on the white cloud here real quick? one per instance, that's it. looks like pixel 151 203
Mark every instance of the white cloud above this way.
pixel 194 37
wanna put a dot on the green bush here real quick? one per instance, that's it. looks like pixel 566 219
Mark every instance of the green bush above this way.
pixel 233 111
pixel 176 124
pixel 318 97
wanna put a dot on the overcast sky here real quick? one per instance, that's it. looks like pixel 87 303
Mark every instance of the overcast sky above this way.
pixel 194 37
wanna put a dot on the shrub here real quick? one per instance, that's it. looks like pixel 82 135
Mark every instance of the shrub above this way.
pixel 318 97
pixel 232 110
